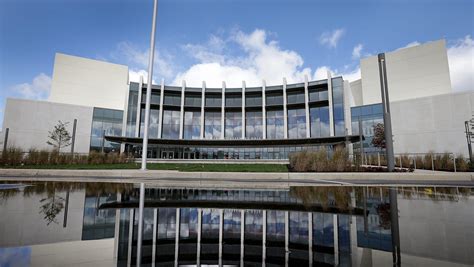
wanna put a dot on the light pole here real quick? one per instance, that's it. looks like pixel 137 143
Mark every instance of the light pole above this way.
pixel 148 87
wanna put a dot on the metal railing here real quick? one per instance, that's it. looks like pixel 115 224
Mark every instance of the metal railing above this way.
pixel 410 160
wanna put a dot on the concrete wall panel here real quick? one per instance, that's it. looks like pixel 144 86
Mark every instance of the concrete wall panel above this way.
pixel 30 121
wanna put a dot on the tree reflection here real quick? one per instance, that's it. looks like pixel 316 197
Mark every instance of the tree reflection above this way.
pixel 51 207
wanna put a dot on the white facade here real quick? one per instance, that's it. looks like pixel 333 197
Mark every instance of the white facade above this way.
pixel 30 121
pixel 426 115
pixel 432 124
pixel 88 82
pixel 412 72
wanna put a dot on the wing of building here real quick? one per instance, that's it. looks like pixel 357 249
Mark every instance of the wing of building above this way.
pixel 253 123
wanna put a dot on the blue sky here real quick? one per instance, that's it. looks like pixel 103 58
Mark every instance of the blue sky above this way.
pixel 227 40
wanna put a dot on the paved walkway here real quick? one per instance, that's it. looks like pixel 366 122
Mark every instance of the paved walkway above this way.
pixel 257 179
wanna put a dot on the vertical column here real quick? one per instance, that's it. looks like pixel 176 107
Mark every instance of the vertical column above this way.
pixel 310 238
pixel 221 234
pixel 264 238
pixel 181 115
pixel 162 100
pixel 73 139
pixel 264 110
pixel 141 207
pixel 306 105
pixel 285 115
pixel 223 111
pixel 139 107
pixel 242 235
pixel 353 227
pixel 117 228
pixel 176 240
pixel 287 237
pixel 130 237
pixel 336 239
pixel 199 232
pixel 331 107
pixel 243 110
pixel 155 227
pixel 203 102
pixel 124 119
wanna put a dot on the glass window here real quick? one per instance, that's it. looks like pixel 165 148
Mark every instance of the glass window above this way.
pixel 233 125
pixel 192 125
pixel 295 97
pixel 212 125
pixel 319 121
pixel 172 99
pixel 213 100
pixel 275 124
pixel 296 123
pixel 253 125
pixel 233 101
pixel 274 99
pixel 253 100
pixel 171 124
pixel 192 101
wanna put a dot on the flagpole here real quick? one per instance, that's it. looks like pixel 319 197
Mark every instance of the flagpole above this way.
pixel 148 87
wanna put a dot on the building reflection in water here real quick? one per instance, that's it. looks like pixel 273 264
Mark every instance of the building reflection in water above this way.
pixel 301 226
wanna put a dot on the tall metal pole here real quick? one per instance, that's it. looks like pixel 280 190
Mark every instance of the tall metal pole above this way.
pixel 468 137
pixel 73 136
pixel 5 140
pixel 141 205
pixel 148 87
pixel 386 113
pixel 361 143
pixel 395 230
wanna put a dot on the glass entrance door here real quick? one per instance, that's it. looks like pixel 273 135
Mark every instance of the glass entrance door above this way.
pixel 167 154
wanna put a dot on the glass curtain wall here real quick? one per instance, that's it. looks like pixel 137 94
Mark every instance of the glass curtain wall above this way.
pixel 253 236
pixel 132 110
pixel 212 125
pixel 192 125
pixel 370 115
pixel 253 125
pixel 231 236
pixel 233 125
pixel 275 124
pixel 106 121
pixel 153 126
pixel 188 232
pixel 319 121
pixel 296 123
pixel 338 106
pixel 170 124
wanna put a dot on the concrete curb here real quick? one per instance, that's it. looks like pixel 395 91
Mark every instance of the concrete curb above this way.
pixel 221 176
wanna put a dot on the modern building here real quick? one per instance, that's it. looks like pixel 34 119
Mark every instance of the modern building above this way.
pixel 255 123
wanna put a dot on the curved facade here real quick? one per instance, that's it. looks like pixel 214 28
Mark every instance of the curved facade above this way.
pixel 230 120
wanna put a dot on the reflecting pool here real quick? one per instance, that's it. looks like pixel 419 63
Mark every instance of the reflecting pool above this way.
pixel 52 223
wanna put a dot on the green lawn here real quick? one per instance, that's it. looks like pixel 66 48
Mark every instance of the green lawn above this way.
pixel 184 167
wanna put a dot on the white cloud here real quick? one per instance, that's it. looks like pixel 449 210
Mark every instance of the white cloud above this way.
pixel 461 64
pixel 348 74
pixel 38 89
pixel 260 59
pixel 138 59
pixel 356 52
pixel 331 38
pixel 412 44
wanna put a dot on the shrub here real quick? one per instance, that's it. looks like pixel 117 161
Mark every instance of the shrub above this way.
pixel 462 164
pixel 319 160
pixel 12 156
pixel 306 161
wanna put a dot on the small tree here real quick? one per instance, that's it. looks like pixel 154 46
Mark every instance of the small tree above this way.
pixel 379 136
pixel 59 137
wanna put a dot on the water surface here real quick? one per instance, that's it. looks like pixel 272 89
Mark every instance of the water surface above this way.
pixel 96 224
